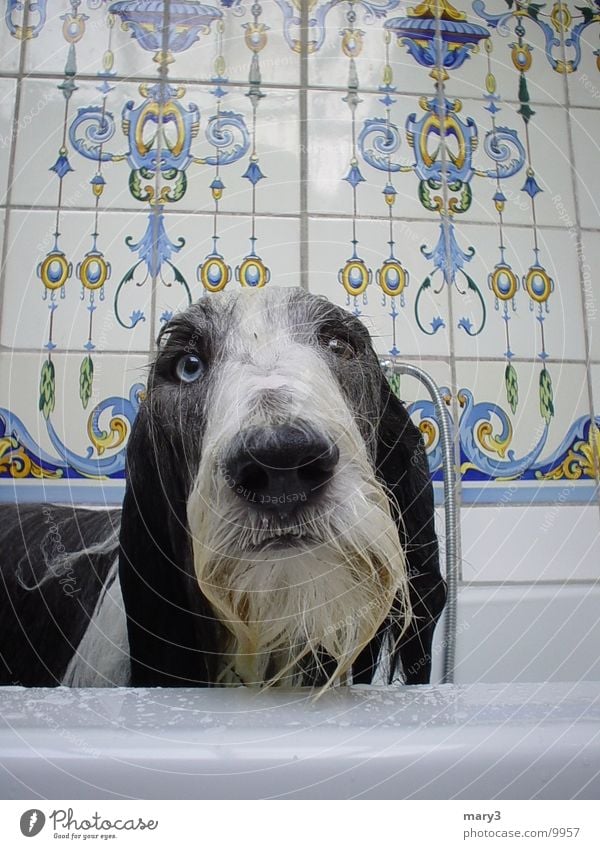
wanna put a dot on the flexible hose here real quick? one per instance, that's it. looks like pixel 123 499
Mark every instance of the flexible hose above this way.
pixel 450 508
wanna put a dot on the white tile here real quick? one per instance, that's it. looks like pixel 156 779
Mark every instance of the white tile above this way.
pixel 586 141
pixel 40 137
pixel 584 81
pixel 114 375
pixel 518 442
pixel 595 384
pixel 277 140
pixel 418 401
pixel 11 42
pixel 328 164
pixel 329 192
pixel 328 66
pixel 279 62
pixel 277 137
pixel 590 275
pixel 412 389
pixel 584 89
pixel 550 156
pixel 595 377
pixel 3 229
pixel 7 103
pixel 48 52
pixel 330 246
pixel 25 314
pixel 277 244
pixel 563 324
pixel 525 634
pixel 545 84
pixel 530 543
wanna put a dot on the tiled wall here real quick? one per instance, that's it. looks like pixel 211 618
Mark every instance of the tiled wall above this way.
pixel 433 167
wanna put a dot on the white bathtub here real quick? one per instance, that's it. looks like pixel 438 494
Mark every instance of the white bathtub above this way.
pixel 538 736
pixel 439 742
pixel 524 633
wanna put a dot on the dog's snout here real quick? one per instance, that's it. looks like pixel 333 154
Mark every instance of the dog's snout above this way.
pixel 280 468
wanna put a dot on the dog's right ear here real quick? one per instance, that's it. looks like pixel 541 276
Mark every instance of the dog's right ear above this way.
pixel 169 623
pixel 402 465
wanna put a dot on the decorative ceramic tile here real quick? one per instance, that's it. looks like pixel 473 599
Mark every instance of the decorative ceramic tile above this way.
pixel 203 42
pixel 510 168
pixel 595 379
pixel 583 54
pixel 516 43
pixel 419 403
pixel 275 259
pixel 531 427
pixel 50 306
pixel 12 36
pixel 590 274
pixel 275 140
pixel 3 235
pixel 553 542
pixel 403 315
pixel 584 85
pixel 340 34
pixel 92 37
pixel 238 39
pixel 518 303
pixel 7 103
pixel 104 159
pixel 594 376
pixel 59 437
pixel 586 142
pixel 424 137
pixel 337 172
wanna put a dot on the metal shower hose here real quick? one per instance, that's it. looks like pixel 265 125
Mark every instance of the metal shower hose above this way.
pixel 450 510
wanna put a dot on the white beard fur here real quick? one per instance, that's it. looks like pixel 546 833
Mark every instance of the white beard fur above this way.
pixel 282 608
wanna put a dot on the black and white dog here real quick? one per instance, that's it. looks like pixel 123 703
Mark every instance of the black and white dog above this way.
pixel 277 526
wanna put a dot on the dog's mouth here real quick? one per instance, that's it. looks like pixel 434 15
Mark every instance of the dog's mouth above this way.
pixel 278 543
pixel 281 542
pixel 271 536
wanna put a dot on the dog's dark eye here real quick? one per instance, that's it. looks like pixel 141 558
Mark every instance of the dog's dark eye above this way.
pixel 189 368
pixel 341 348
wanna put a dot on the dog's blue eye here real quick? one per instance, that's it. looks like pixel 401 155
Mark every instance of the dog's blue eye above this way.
pixel 189 368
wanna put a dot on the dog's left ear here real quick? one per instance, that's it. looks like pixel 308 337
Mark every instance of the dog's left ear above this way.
pixel 169 624
pixel 401 464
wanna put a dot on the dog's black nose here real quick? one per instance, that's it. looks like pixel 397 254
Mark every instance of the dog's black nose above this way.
pixel 280 468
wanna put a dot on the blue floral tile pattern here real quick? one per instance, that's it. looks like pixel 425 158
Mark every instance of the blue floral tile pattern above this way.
pixel 161 120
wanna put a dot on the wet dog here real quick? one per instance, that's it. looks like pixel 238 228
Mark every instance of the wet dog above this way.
pixel 277 526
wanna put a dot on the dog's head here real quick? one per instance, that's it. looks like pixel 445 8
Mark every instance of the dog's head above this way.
pixel 262 486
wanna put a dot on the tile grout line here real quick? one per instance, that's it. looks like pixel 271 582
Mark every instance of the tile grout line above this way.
pixel 550 582
pixel 412 357
pixel 440 95
pixel 289 216
pixel 11 166
pixel 240 213
pixel 163 82
pixel 303 162
pixel 304 217
pixel 291 86
pixel 331 216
